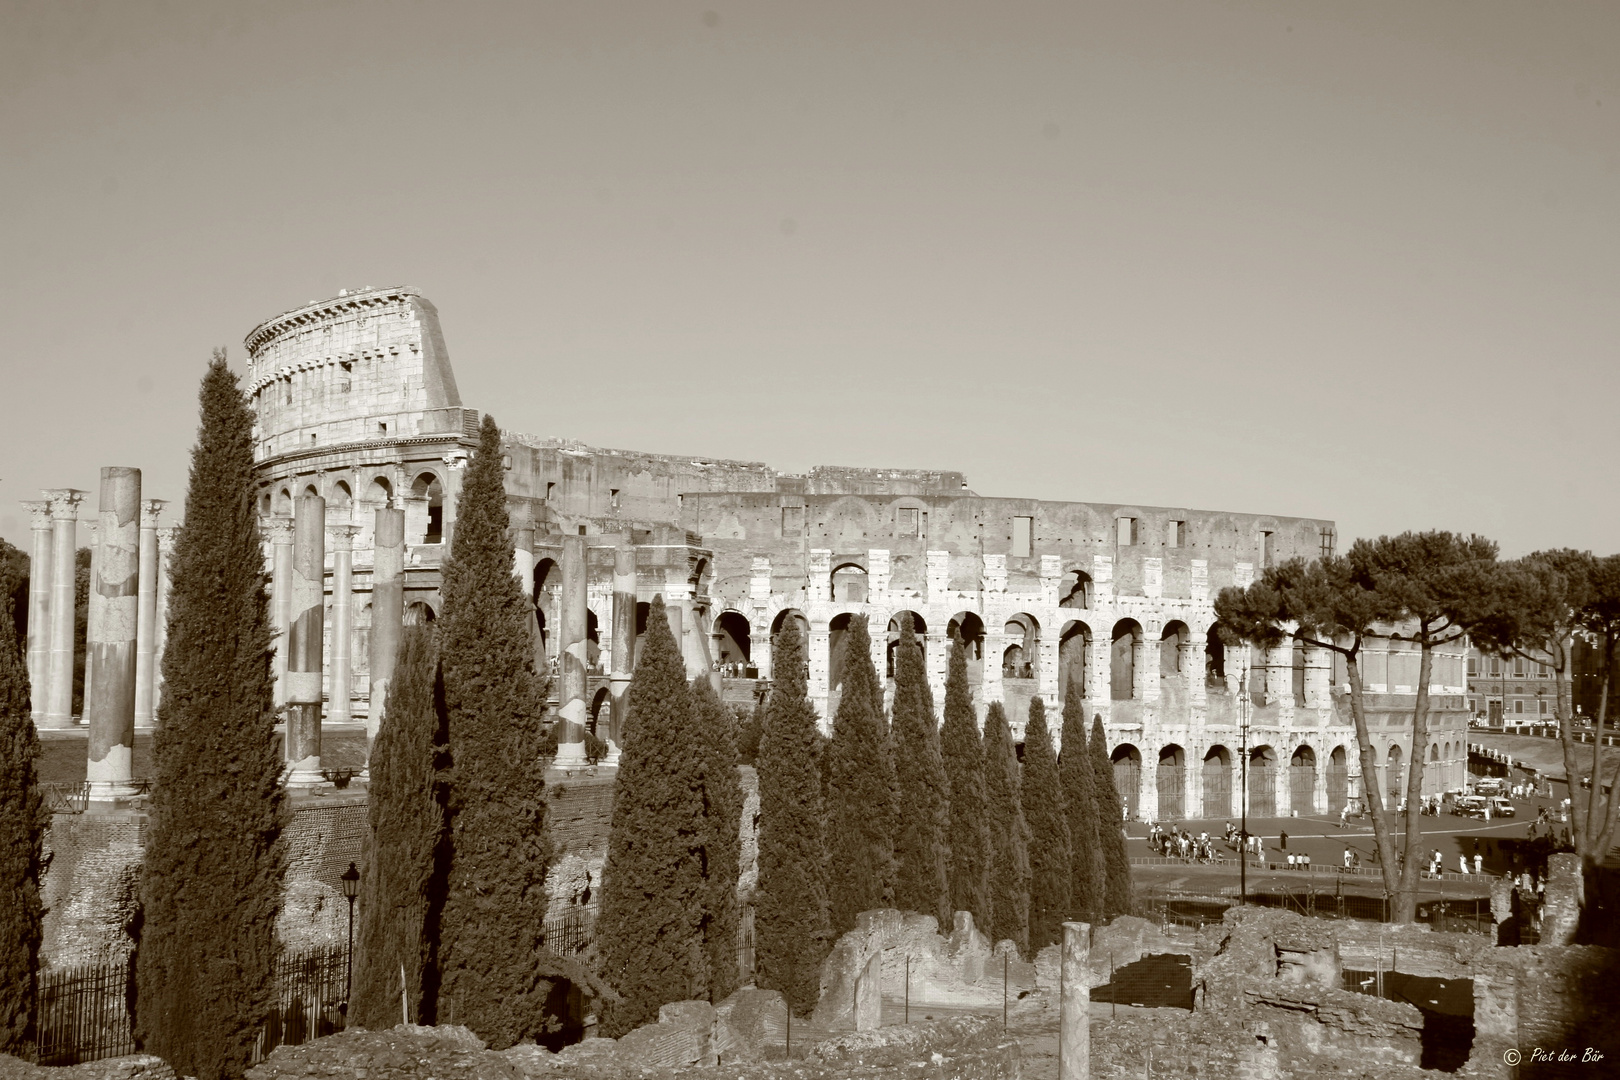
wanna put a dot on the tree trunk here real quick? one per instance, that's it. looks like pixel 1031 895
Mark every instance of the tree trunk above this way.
pixel 1406 899
pixel 1564 713
pixel 1605 835
pixel 1369 782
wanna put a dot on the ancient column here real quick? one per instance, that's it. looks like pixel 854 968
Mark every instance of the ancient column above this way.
pixel 39 609
pixel 109 706
pixel 89 668
pixel 64 504
pixel 523 547
pixel 146 616
pixel 387 613
pixel 1074 1004
pixel 571 654
pixel 307 596
pixel 994 651
pixel 818 653
pixel 280 529
pixel 342 622
pixel 624 637
pixel 165 541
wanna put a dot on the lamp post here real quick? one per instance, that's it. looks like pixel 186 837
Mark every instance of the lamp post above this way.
pixel 351 889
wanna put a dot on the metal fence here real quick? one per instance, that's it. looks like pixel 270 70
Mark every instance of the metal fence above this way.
pixel 84 1013
pixel 570 935
pixel 66 798
pixel 309 1001
pixel 1183 908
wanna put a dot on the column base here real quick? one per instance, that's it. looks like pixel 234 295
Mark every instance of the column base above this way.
pixel 305 774
pixel 611 760
pixel 55 723
pixel 111 791
pixel 570 756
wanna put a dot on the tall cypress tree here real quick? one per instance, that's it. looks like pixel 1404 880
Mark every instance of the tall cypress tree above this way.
pixel 791 932
pixel 1048 832
pixel 922 788
pixel 23 820
pixel 650 930
pixel 722 843
pixel 969 868
pixel 860 791
pixel 1088 870
pixel 1009 834
pixel 399 886
pixel 1116 898
pixel 212 877
pixel 494 976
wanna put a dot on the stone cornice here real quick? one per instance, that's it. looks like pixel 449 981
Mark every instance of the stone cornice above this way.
pixel 272 464
pixel 322 310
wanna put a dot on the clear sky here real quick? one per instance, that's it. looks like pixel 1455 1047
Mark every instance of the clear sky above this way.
pixel 1354 260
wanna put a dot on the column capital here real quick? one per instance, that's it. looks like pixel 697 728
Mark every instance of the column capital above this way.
pixel 40 511
pixel 150 509
pixel 64 502
pixel 165 538
pixel 279 527
pixel 343 536
pixel 455 459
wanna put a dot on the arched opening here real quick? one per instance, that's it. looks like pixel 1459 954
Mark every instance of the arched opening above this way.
pixel 733 644
pixel 1302 781
pixel 1172 781
pixel 1022 654
pixel 780 622
pixel 601 709
pixel 342 500
pixel 1172 650
pixel 1217 783
pixel 425 515
pixel 1299 673
pixel 547 586
pixel 283 502
pixel 593 643
pixel 919 626
pixel 837 638
pixel 1262 782
pixel 970 628
pixel 849 584
pixel 1122 660
pixel 264 504
pixel 1074 645
pixel 1215 656
pixel 311 491
pixel 1338 780
pixel 417 613
pixel 1128 777
pixel 1392 775
pixel 1074 590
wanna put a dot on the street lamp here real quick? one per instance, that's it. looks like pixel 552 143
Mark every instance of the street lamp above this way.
pixel 351 889
pixel 1243 794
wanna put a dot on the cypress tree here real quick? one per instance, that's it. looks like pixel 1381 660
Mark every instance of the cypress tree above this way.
pixel 399 887
pixel 212 877
pixel 922 788
pixel 969 868
pixel 493 973
pixel 1009 832
pixel 1048 833
pixel 860 791
pixel 650 930
pixel 1087 867
pixel 790 908
pixel 1116 897
pixel 23 820
pixel 722 843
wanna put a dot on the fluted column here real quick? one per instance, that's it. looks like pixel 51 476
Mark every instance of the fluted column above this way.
pixel 305 652
pixel 39 609
pixel 64 506
pixel 110 635
pixel 338 695
pixel 165 542
pixel 387 613
pixel 280 529
pixel 572 647
pixel 146 626
pixel 624 640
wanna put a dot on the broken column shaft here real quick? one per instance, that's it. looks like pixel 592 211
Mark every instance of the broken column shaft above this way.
pixel 146 616
pixel 165 541
pixel 1074 1004
pixel 307 597
pixel 39 609
pixel 280 530
pixel 571 654
pixel 110 635
pixel 624 637
pixel 342 621
pixel 387 613
pixel 64 504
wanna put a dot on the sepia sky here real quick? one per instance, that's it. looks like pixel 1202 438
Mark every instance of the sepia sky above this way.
pixel 1355 260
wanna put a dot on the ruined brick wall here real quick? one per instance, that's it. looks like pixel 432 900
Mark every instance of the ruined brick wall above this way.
pixel 90 889
pixel 321 840
pixel 579 811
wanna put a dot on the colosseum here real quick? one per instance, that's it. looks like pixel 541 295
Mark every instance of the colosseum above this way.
pixel 361 430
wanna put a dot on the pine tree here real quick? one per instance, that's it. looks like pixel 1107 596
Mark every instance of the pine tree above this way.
pixel 1009 834
pixel 860 791
pixel 212 877
pixel 969 868
pixel 722 842
pixel 790 908
pixel 922 789
pixel 650 930
pixel 1116 897
pixel 1087 867
pixel 23 820
pixel 1048 833
pixel 494 976
pixel 400 886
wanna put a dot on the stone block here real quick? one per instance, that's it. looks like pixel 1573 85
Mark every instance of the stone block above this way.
pixel 682 1036
pixel 747 1022
pixel 127 1067
pixel 968 949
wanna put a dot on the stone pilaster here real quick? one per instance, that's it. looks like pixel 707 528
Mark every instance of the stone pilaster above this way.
pixel 305 643
pixel 387 614
pixel 1193 670
pixel 1152 577
pixel 1046 670
pixel 1145 658
pixel 1051 574
pixel 1318 676
pixel 64 509
pixel 39 609
pixel 280 530
pixel 819 659
pixel 110 636
pixel 623 659
pixel 937 662
pixel 146 628
pixel 455 470
pixel 341 691
pixel 878 572
pixel 1099 668
pixel 572 659
pixel 91 528
pixel 523 547
pixel 938 577
pixel 995 644
pixel 818 576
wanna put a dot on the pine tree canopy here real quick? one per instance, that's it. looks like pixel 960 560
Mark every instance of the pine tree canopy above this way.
pixel 922 789
pixel 400 891
pixel 1110 826
pixel 712 724
pixel 1087 866
pixel 1009 834
pixel 494 975
pixel 791 931
pixel 969 867
pixel 23 820
pixel 860 791
pixel 211 881
pixel 1048 833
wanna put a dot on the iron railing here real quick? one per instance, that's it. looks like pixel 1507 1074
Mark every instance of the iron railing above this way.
pixel 84 1013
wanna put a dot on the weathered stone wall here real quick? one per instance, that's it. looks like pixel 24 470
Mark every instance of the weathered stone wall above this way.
pixel 321 840
pixel 90 889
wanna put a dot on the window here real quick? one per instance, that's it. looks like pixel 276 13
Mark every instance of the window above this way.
pixel 550 488
pixel 1518 705
pixel 792 521
pixel 1518 667
pixel 1175 535
pixel 1473 665
pixel 1496 665
pixel 1126 531
pixel 1328 537
pixel 1023 537
pixel 1473 706
pixel 1267 549
pixel 614 495
pixel 907 522
pixel 382 428
pixel 1543 708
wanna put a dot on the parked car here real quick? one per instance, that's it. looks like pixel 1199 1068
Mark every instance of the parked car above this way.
pixel 1469 806
pixel 1501 807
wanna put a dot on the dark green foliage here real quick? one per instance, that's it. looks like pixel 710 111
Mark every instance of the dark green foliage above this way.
pixel 81 624
pixel 722 844
pixel 23 820
pixel 650 931
pixel 1009 834
pixel 14 575
pixel 969 867
pixel 791 933
pixel 494 976
pixel 398 885
pixel 860 791
pixel 749 728
pixel 1110 826
pixel 1049 871
pixel 922 789
pixel 1088 867
pixel 212 877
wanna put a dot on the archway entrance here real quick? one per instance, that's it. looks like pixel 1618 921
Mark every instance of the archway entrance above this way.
pixel 1217 783
pixel 1302 781
pixel 1128 777
pixel 1172 781
pixel 1262 782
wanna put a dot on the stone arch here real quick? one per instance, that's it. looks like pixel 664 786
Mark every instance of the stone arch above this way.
pixel 1338 779
pixel 1173 649
pixel 1393 780
pixel 1172 782
pixel 425 514
pixel 733 640
pixel 544 593
pixel 848 583
pixel 1217 782
pixel 919 626
pixel 837 636
pixel 341 498
pixel 283 501
pixel 1021 631
pixel 1074 590
pixel 1127 760
pixel 1302 780
pixel 419 613
pixel 1127 637
pixel 970 628
pixel 602 701
pixel 1215 655
pixel 1263 781
pixel 1074 645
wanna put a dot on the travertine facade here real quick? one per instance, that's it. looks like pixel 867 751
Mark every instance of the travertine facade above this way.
pixel 357 404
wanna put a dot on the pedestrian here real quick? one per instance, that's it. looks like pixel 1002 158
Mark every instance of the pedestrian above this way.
pixel 1462 862
pixel 1344 815
pixel 1290 860
pixel 1307 857
pixel 1347 858
pixel 1283 841
pixel 1478 863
